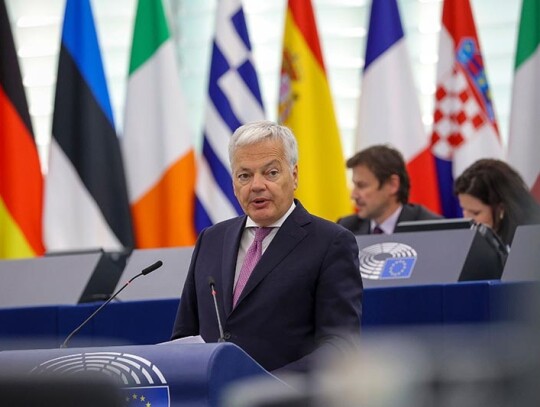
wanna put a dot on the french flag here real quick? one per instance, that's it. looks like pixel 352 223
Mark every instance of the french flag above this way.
pixel 389 112
pixel 464 123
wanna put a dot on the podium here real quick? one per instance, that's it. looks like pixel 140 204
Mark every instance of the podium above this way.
pixel 431 257
pixel 172 374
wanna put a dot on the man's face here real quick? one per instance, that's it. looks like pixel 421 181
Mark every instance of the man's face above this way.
pixel 263 181
pixel 373 200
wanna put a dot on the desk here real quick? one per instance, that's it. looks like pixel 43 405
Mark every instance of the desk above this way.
pixel 151 321
pixel 172 374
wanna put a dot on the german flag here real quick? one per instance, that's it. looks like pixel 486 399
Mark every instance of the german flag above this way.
pixel 21 181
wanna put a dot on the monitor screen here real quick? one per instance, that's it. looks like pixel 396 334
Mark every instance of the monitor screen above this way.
pixel 433 224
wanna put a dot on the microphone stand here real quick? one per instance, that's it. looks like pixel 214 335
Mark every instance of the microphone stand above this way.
pixel 146 271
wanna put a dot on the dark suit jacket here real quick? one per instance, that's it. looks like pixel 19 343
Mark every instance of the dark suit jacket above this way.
pixel 305 290
pixel 409 212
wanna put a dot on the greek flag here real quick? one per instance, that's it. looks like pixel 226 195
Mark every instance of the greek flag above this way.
pixel 234 99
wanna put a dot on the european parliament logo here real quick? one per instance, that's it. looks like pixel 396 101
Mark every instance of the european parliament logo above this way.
pixel 387 261
pixel 142 381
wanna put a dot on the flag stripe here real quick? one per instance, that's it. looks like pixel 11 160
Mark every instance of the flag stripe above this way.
pixel 84 132
pixel 389 111
pixel 304 21
pixel 83 47
pixel 157 141
pixel 219 98
pixel 423 178
pixel 155 132
pixel 86 202
pixel 529 31
pixel 163 206
pixel 384 29
pixel 306 107
pixel 464 125
pixel 149 33
pixel 221 174
pixel 14 243
pixel 73 220
pixel 457 17
pixel 10 74
pixel 234 98
pixel 21 182
pixel 524 143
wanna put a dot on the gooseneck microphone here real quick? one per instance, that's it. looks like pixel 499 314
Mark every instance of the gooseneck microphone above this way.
pixel 212 284
pixel 144 272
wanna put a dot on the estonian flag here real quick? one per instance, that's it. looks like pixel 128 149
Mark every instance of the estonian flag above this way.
pixel 86 204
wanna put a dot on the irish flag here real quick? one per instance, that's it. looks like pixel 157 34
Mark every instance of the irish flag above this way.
pixel 157 141
pixel 306 107
pixel 524 140
pixel 21 182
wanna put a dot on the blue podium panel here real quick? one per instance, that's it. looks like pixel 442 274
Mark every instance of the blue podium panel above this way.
pixel 28 327
pixel 413 305
pixel 139 322
pixel 516 301
pixel 467 302
pixel 125 323
pixel 171 374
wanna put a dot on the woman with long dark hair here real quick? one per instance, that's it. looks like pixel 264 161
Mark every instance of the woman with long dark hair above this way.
pixel 493 193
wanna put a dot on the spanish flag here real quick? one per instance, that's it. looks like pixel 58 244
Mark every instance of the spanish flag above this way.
pixel 21 182
pixel 305 106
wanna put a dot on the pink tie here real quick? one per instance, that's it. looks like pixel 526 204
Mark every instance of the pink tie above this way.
pixel 253 255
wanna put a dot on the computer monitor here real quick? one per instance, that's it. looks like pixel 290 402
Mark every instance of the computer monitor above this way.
pixel 433 224
pixel 430 257
pixel 524 258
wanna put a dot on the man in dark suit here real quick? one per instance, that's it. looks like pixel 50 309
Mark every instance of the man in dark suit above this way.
pixel 381 192
pixel 304 294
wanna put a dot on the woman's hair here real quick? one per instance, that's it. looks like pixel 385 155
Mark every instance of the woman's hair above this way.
pixel 499 186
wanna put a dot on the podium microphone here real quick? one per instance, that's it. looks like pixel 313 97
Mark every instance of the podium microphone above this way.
pixel 144 272
pixel 212 284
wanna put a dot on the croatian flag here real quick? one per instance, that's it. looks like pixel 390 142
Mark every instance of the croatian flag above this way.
pixel 464 124
pixel 389 112
pixel 234 99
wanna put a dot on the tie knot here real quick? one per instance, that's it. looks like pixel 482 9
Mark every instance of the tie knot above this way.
pixel 261 233
pixel 377 230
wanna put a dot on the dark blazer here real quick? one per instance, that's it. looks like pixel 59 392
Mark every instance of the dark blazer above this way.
pixel 409 212
pixel 305 290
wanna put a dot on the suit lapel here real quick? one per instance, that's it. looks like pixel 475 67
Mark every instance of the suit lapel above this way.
pixel 405 215
pixel 287 238
pixel 231 246
pixel 364 227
